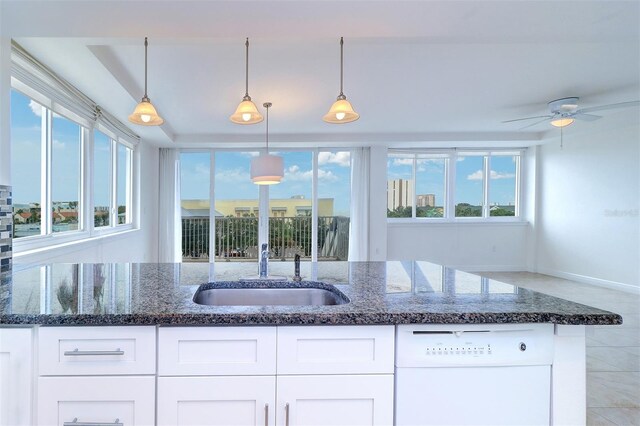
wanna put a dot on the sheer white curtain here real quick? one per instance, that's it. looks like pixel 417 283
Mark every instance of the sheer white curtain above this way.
pixel 359 225
pixel 170 222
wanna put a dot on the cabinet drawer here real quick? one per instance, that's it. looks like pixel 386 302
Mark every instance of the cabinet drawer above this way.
pixel 335 350
pixel 74 351
pixel 216 351
pixel 101 400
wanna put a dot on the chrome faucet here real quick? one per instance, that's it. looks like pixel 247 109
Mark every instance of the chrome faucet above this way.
pixel 296 268
pixel 264 261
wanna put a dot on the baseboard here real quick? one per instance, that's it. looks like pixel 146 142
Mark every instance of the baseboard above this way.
pixel 614 285
pixel 489 268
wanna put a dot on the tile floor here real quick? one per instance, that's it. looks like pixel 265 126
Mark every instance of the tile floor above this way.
pixel 613 352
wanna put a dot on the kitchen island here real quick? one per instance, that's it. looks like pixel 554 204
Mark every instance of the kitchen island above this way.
pixel 295 349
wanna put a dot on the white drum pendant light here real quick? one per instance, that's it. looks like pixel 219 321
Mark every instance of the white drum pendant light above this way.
pixel 145 113
pixel 267 169
pixel 341 111
pixel 246 113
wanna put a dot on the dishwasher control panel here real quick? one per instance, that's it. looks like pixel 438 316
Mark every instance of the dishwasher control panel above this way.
pixel 462 345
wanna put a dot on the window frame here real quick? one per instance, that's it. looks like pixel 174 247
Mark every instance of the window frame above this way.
pixel 86 230
pixel 449 195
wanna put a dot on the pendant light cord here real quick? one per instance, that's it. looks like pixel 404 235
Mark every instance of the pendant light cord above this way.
pixel 246 72
pixel 146 44
pixel 341 64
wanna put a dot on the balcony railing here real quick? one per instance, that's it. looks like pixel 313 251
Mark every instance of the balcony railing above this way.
pixel 237 238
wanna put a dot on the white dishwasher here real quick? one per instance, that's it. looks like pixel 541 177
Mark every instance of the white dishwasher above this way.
pixel 478 374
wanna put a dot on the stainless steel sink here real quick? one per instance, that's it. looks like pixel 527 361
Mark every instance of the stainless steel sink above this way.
pixel 252 296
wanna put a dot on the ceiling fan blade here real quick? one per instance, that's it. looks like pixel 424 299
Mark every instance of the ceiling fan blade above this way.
pixel 586 117
pixel 533 124
pixel 527 118
pixel 610 106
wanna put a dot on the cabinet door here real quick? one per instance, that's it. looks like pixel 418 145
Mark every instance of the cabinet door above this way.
pixel 121 401
pixel 228 401
pixel 15 376
pixel 335 400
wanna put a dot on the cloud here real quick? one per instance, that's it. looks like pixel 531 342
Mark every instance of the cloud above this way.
pixel 233 175
pixel 342 158
pixel 58 145
pixel 294 174
pixel 403 161
pixel 250 154
pixel 36 108
pixel 477 175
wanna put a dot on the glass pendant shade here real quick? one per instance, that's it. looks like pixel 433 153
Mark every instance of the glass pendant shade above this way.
pixel 341 112
pixel 267 169
pixel 246 113
pixel 145 114
pixel 562 122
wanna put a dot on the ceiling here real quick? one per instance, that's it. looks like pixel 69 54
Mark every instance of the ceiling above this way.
pixel 420 73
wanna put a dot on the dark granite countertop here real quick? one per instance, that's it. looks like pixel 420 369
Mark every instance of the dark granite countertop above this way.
pixel 379 293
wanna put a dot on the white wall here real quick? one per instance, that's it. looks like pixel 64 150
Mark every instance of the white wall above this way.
pixel 588 224
pixel 139 245
pixel 468 246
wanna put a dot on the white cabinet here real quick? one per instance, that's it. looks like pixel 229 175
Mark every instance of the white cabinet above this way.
pixel 16 376
pixel 121 401
pixel 332 400
pixel 97 375
pixel 323 375
pixel 223 401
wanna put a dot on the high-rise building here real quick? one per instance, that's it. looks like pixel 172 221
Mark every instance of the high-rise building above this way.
pixel 399 193
pixel 425 200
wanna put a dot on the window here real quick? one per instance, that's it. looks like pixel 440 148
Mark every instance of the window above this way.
pixel 26 164
pixel 66 149
pixel 306 216
pixel 453 185
pixel 112 183
pixel 101 179
pixel 51 177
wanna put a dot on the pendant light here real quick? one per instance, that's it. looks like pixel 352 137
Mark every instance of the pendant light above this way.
pixel 145 114
pixel 246 113
pixel 267 169
pixel 341 111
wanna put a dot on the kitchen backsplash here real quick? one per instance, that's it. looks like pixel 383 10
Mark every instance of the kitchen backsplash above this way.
pixel 6 228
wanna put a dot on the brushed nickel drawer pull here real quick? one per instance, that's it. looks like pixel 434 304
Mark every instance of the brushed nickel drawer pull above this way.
pixel 286 414
pixel 75 422
pixel 266 414
pixel 77 352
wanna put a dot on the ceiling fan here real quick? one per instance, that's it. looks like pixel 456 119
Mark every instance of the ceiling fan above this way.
pixel 565 111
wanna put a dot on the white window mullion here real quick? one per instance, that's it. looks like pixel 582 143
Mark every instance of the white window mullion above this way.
pixel 113 204
pixel 85 208
pixel 45 185
pixel 518 196
pixel 314 210
pixel 128 186
pixel 486 208
pixel 212 213
pixel 413 189
pixel 451 184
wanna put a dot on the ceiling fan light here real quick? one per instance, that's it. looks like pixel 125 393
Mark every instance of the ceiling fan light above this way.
pixel 341 112
pixel 246 113
pixel 145 114
pixel 562 121
pixel 267 169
